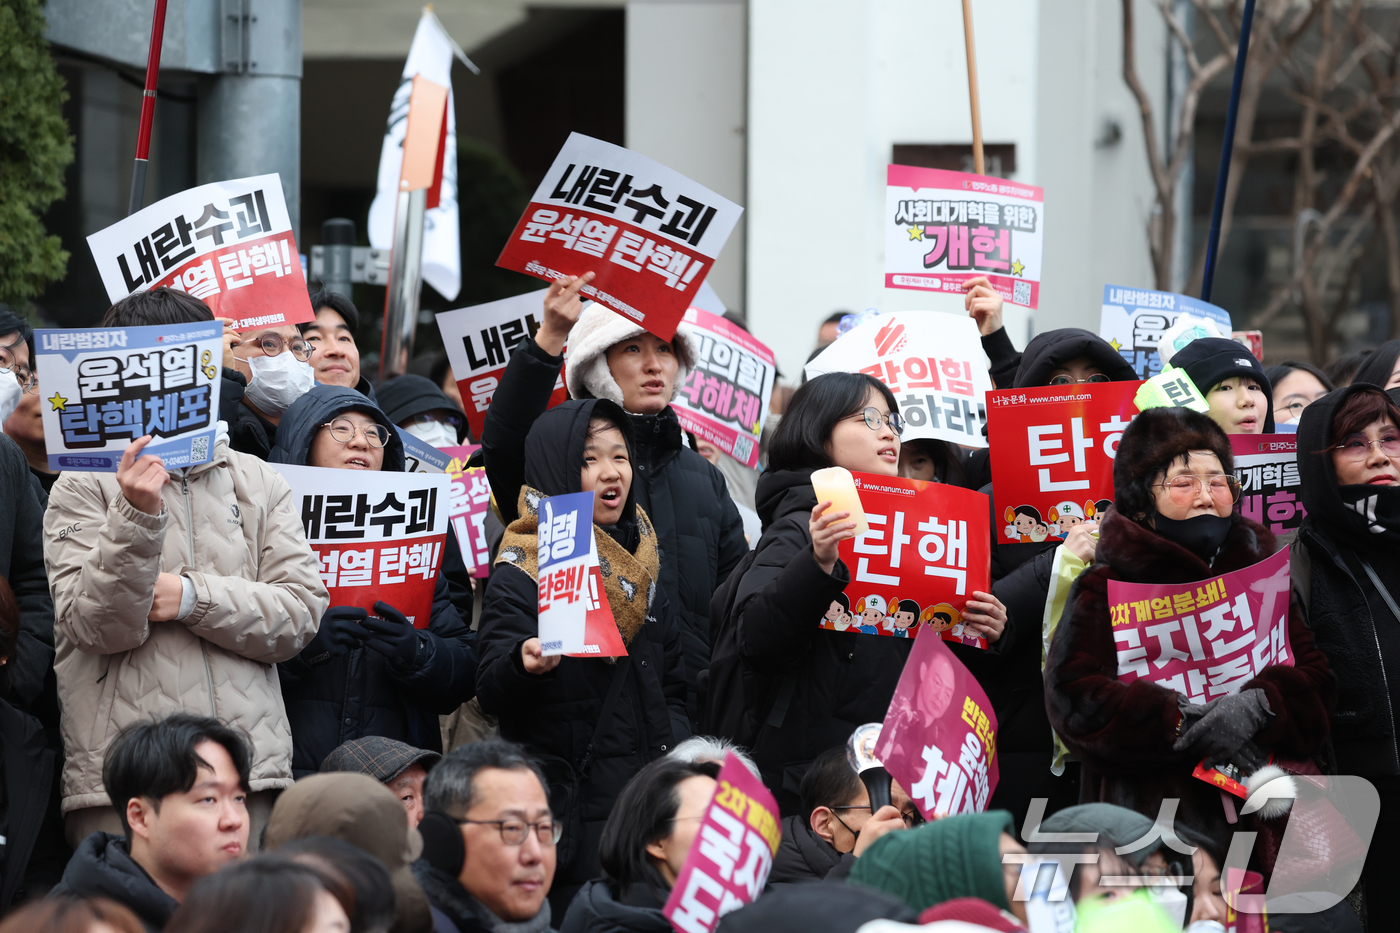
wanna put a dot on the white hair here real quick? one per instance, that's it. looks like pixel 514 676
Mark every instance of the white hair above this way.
pixel 712 748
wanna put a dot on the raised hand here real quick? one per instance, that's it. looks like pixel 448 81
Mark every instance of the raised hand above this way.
pixel 562 306
pixel 983 304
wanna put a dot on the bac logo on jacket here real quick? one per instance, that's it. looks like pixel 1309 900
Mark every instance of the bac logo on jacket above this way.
pixel 70 530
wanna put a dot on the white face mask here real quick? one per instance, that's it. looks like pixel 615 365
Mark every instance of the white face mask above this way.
pixel 277 382
pixel 435 433
pixel 10 394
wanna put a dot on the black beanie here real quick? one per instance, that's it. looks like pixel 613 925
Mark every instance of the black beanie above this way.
pixel 1150 443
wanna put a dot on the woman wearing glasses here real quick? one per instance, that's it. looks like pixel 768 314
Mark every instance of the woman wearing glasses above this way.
pixel 1346 568
pixel 1173 522
pixel 1296 386
pixel 832 681
pixel 367 674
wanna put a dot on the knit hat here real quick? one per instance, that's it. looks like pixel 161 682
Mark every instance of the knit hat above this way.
pixel 1150 442
pixel 1111 825
pixel 596 330
pixel 957 856
pixel 1210 360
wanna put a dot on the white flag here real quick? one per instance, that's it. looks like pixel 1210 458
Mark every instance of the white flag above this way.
pixel 431 56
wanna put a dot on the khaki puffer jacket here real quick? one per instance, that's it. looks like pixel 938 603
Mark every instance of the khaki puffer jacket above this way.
pixel 229 527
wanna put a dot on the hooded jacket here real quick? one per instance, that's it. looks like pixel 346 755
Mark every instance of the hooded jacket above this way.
pixel 595 910
pixel 1349 620
pixel 699 531
pixel 362 693
pixel 1123 733
pixel 556 714
pixel 102 866
pixel 228 527
pixel 838 680
pixel 409 395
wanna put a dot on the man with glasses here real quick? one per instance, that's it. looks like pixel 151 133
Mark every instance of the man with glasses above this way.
pixel 489 841
pixel 265 371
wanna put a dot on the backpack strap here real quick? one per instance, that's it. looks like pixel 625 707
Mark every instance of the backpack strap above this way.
pixel 620 671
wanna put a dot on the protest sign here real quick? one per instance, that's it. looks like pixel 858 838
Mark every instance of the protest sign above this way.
pixel 566 551
pixel 1270 489
pixel 420 456
pixel 1253 339
pixel 237 254
pixel 933 364
pixel 927 550
pixel 111 385
pixel 480 340
pixel 601 639
pixel 470 500
pixel 939 738
pixel 1052 455
pixel 1134 319
pixel 378 536
pixel 729 862
pixel 1203 639
pixel 725 399
pixel 648 233
pixel 943 228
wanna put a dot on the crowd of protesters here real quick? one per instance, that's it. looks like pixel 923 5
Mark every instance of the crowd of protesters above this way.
pixel 193 739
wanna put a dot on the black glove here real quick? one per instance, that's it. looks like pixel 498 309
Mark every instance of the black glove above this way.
pixel 339 632
pixel 392 635
pixel 1225 725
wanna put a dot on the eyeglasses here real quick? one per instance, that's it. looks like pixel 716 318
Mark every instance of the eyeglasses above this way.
pixel 1294 408
pixel 27 380
pixel 451 419
pixel 1063 380
pixel 911 818
pixel 513 832
pixel 1184 489
pixel 874 421
pixel 1357 447
pixel 273 344
pixel 344 430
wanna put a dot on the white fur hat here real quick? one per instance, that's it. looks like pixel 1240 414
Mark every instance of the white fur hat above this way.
pixel 597 329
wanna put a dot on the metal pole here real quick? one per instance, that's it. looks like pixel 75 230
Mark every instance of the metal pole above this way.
pixel 338 242
pixel 148 111
pixel 405 283
pixel 979 165
pixel 1222 177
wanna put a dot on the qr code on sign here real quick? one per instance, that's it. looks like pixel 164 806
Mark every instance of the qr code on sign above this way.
pixel 1021 293
pixel 199 449
pixel 743 448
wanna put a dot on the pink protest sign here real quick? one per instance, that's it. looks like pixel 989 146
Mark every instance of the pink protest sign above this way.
pixel 1204 639
pixel 1271 492
pixel 725 398
pixel 939 739
pixel 732 854
pixel 468 504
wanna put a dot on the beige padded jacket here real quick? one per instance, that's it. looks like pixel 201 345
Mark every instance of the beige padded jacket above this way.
pixel 229 527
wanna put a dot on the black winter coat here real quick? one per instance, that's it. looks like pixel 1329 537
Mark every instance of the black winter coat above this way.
pixel 450 902
pixel 22 564
pixel 102 866
pixel 595 910
pixel 33 831
pixel 840 679
pixel 248 431
pixel 803 857
pixel 698 529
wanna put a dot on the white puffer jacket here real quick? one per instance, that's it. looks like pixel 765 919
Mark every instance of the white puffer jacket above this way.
pixel 228 526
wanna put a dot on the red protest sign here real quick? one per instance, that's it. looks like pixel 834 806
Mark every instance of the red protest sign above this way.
pixel 601 639
pixel 1271 492
pixel 729 861
pixel 1052 455
pixel 648 233
pixel 927 550
pixel 377 536
pixel 939 738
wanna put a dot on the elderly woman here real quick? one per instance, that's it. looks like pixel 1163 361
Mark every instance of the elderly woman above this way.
pixel 1172 522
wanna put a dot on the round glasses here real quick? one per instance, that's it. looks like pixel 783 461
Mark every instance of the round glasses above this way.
pixel 1063 380
pixel 1184 489
pixel 1294 409
pixel 273 344
pixel 27 380
pixel 344 430
pixel 875 421
pixel 1357 447
pixel 514 832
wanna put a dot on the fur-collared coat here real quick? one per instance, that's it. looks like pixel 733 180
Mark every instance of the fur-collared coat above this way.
pixel 1123 733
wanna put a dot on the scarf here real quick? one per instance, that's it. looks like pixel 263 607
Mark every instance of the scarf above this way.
pixel 1371 514
pixel 629 579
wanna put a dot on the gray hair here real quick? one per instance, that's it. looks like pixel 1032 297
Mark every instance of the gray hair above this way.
pixel 712 748
pixel 449 786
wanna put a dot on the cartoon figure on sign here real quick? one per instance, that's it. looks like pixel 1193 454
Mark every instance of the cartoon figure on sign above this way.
pixel 871 610
pixel 1101 507
pixel 904 618
pixel 1067 514
pixel 838 617
pixel 1024 524
pixel 948 623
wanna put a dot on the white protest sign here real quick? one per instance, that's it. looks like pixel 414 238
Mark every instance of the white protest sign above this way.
pixel 566 556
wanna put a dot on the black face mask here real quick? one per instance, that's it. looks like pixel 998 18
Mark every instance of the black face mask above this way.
pixel 1202 535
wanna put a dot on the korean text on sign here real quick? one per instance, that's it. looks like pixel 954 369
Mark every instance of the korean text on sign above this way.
pixel 725 399
pixel 105 387
pixel 566 556
pixel 933 364
pixel 1270 489
pixel 1134 319
pixel 470 502
pixel 378 536
pixel 649 233
pixel 943 228
pixel 228 244
pixel 1052 455
pixel 1205 639
pixel 939 738
pixel 731 857
pixel 480 340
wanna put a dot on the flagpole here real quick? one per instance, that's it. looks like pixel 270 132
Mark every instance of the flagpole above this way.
pixel 1222 177
pixel 979 165
pixel 148 111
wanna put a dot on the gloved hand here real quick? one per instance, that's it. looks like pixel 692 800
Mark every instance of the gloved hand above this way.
pixel 341 629
pixel 1225 725
pixel 392 635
